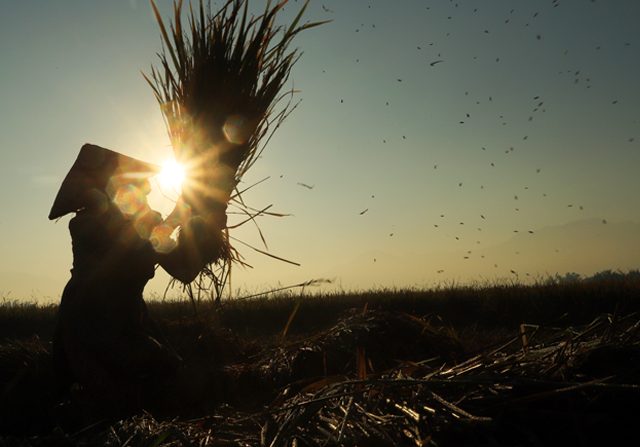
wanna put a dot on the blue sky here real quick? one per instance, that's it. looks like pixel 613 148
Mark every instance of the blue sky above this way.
pixel 558 84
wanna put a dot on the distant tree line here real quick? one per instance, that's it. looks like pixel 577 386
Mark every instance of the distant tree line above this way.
pixel 604 275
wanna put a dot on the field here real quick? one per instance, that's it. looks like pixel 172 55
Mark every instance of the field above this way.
pixel 557 363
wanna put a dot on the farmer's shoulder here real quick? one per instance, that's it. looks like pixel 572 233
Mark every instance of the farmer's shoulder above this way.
pixel 90 222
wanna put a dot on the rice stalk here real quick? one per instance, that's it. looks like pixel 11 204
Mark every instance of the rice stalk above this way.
pixel 220 84
pixel 290 320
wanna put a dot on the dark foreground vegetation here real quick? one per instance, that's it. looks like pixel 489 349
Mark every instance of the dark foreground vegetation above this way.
pixel 552 364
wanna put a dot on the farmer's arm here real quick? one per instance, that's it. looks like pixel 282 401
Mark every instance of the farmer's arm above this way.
pixel 200 242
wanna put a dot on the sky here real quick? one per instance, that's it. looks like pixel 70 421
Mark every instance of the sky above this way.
pixel 440 141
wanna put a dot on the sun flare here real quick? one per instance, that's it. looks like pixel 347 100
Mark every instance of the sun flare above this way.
pixel 172 176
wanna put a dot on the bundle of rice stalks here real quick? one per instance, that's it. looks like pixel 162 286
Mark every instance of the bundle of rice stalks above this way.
pixel 220 85
pixel 380 337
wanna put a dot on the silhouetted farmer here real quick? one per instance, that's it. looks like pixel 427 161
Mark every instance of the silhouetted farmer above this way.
pixel 104 340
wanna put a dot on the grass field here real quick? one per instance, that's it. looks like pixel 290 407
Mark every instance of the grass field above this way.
pixel 556 363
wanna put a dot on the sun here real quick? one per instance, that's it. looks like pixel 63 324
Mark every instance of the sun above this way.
pixel 171 176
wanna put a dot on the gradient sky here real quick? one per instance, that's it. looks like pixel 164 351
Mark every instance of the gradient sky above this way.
pixel 545 90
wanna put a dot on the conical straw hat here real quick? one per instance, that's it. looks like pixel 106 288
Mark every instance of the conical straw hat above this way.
pixel 93 169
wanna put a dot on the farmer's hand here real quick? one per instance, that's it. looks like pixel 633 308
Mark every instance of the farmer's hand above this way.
pixel 180 215
pixel 204 233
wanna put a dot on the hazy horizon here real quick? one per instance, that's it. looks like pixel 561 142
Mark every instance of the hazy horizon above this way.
pixel 615 248
pixel 437 139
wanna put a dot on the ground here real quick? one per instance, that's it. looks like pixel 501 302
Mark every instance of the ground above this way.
pixel 552 364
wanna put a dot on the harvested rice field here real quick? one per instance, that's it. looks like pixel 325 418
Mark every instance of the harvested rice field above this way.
pixel 552 364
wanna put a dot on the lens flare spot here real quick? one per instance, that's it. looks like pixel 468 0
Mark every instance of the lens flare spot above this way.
pixel 163 238
pixel 236 129
pixel 130 199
